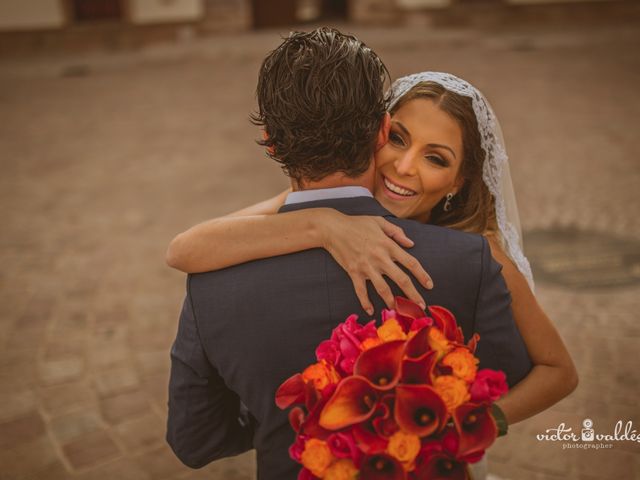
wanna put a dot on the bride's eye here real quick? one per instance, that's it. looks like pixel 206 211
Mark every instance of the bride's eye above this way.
pixel 396 139
pixel 437 160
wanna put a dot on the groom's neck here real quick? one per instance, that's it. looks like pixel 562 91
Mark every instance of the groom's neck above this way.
pixel 335 180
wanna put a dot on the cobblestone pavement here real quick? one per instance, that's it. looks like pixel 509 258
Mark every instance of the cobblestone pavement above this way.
pixel 106 157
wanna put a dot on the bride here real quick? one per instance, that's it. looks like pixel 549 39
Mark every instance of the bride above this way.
pixel 444 164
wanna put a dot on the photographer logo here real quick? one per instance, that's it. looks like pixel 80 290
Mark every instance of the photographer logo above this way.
pixel 589 438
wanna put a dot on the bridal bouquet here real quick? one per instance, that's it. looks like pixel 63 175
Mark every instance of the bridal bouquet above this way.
pixel 401 401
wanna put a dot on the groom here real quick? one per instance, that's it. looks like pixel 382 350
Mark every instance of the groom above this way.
pixel 244 330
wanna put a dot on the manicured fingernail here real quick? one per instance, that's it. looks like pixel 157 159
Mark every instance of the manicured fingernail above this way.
pixel 369 311
pixel 422 305
pixel 429 284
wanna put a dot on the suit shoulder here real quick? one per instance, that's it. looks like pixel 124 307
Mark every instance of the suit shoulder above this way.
pixel 433 233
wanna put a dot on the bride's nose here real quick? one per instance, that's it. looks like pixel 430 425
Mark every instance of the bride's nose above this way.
pixel 405 164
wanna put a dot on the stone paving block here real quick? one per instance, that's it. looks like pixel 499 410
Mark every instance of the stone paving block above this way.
pixel 509 471
pixel 160 463
pixel 113 355
pixel 21 430
pixel 68 321
pixel 17 403
pixel 115 314
pixel 118 408
pixel 240 467
pixel 120 469
pixel 57 346
pixel 141 433
pixel 506 448
pixel 60 399
pixel 27 459
pixel 151 338
pixel 153 361
pixel 605 463
pixel 109 333
pixel 61 370
pixel 54 471
pixel 90 449
pixel 76 424
pixel 546 458
pixel 157 388
pixel 19 375
pixel 117 380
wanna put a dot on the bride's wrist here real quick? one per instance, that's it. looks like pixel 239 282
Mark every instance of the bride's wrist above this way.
pixel 322 226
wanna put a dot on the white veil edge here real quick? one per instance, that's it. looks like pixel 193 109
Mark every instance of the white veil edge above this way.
pixel 496 173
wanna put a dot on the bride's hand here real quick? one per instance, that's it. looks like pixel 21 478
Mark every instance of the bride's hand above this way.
pixel 368 247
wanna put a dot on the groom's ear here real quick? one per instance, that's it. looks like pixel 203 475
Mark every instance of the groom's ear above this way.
pixel 383 133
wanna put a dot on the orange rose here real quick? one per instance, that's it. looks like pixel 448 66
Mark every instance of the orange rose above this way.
pixel 321 374
pixel 370 343
pixel 343 469
pixel 438 342
pixel 316 456
pixel 404 447
pixel 391 330
pixel 463 364
pixel 452 390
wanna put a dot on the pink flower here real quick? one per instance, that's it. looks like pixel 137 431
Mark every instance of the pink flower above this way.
pixel 295 450
pixel 305 475
pixel 328 350
pixel 488 386
pixel 346 340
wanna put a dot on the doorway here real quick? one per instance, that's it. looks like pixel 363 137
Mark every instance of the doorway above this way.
pixel 95 10
pixel 277 13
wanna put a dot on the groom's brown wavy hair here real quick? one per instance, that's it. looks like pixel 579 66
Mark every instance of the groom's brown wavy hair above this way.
pixel 321 103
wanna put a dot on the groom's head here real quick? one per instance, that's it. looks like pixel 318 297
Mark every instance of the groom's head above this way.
pixel 321 102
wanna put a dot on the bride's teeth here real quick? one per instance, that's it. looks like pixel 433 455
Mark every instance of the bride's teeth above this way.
pixel 397 189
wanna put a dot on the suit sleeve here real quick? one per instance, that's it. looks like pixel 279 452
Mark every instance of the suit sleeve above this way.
pixel 206 419
pixel 501 346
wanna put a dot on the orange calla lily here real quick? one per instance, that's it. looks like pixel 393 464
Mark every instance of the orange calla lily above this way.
pixel 382 467
pixel 445 321
pixel 381 365
pixel 409 309
pixel 419 410
pixel 354 401
pixel 290 392
pixel 441 466
pixel 416 371
pixel 476 428
pixel 418 344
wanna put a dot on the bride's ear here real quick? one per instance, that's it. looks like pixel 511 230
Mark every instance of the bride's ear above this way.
pixel 383 133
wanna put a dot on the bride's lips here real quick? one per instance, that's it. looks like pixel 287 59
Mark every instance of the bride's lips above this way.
pixel 395 191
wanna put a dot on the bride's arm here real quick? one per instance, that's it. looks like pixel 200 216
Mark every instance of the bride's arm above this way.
pixel 366 247
pixel 216 243
pixel 553 375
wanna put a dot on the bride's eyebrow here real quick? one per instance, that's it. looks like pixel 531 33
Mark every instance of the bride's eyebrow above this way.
pixel 401 127
pixel 437 145
pixel 432 145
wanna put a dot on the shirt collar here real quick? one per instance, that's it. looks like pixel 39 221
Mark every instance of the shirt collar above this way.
pixel 326 193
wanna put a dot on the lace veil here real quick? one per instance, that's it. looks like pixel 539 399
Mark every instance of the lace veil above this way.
pixel 496 174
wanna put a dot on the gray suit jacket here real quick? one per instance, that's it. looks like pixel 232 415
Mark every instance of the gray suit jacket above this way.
pixel 245 329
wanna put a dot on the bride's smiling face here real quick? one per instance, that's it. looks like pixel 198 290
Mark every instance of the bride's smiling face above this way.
pixel 421 162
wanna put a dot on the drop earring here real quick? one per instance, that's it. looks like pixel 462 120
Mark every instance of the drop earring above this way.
pixel 447 205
